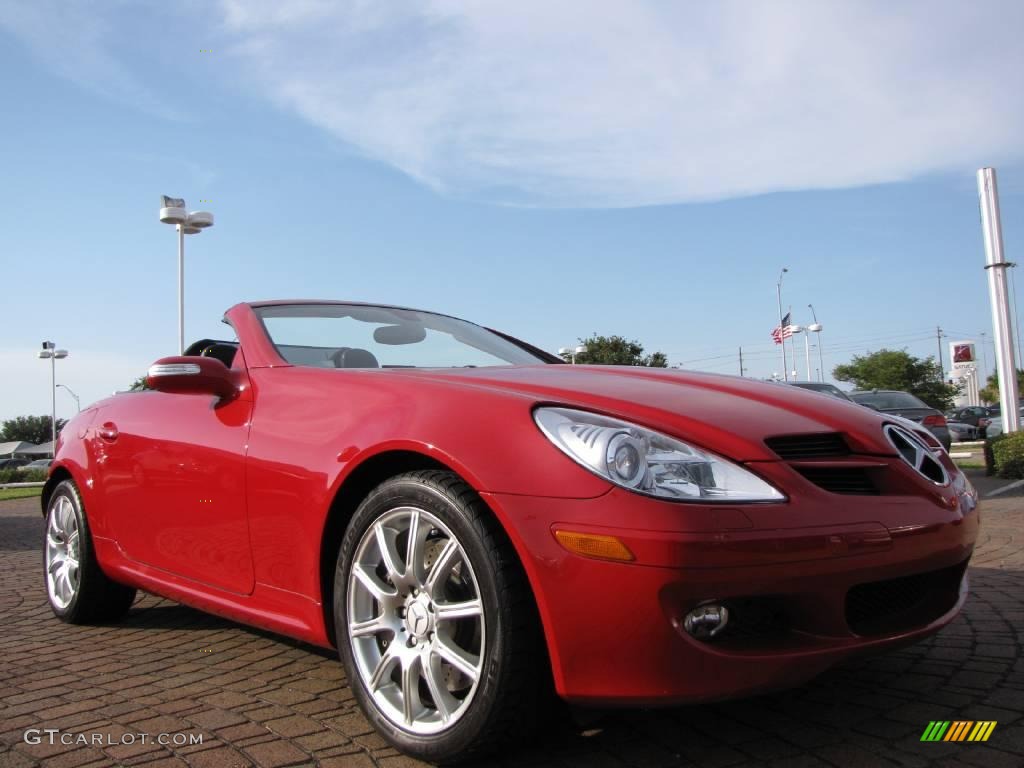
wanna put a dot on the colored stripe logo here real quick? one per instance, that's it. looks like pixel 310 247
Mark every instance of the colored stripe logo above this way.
pixel 959 730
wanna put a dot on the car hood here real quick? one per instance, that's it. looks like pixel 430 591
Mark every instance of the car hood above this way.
pixel 726 414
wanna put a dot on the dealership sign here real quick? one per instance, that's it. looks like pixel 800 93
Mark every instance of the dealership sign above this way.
pixel 962 354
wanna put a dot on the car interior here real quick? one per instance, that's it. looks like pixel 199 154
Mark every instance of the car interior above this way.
pixel 222 350
pixel 342 357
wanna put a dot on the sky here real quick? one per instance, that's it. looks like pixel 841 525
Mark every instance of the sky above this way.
pixel 638 167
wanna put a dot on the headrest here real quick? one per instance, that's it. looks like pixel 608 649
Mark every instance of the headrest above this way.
pixel 355 357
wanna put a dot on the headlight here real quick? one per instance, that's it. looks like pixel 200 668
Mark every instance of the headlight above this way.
pixel 649 462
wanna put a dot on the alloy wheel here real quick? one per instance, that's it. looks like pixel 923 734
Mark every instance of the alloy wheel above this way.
pixel 62 552
pixel 416 620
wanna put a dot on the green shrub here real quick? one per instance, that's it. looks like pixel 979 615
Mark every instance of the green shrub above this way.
pixel 1009 456
pixel 22 475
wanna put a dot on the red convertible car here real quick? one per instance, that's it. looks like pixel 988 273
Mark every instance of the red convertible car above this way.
pixel 472 523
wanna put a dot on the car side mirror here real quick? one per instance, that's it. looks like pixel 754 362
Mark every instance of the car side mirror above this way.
pixel 192 376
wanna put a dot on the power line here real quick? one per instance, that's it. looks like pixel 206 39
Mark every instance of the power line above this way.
pixel 750 350
pixel 719 362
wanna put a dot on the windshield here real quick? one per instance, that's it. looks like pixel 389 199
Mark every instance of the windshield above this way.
pixel 356 336
pixel 888 400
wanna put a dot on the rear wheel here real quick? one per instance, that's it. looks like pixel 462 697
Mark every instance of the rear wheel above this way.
pixel 78 591
pixel 435 622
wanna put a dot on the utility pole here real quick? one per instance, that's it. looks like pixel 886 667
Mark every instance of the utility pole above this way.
pixel 984 359
pixel 741 361
pixel 1002 325
pixel 942 366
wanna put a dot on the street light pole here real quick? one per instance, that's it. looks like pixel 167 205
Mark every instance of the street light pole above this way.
pixel 173 212
pixel 816 327
pixel 78 403
pixel 181 289
pixel 807 351
pixel 782 338
pixel 577 350
pixel 51 353
pixel 53 401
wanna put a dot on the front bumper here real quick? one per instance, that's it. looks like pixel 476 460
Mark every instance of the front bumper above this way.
pixel 615 630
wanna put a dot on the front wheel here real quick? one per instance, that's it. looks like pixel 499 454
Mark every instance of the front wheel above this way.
pixel 78 591
pixel 435 622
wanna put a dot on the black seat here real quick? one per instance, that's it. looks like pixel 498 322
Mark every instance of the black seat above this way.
pixel 354 357
pixel 223 352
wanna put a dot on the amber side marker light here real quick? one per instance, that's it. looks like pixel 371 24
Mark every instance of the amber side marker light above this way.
pixel 594 545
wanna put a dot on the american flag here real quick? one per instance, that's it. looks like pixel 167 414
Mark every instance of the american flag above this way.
pixel 783 330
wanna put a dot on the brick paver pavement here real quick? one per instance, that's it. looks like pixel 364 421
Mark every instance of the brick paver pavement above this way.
pixel 259 699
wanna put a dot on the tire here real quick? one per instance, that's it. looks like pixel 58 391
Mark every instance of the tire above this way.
pixel 77 590
pixel 471 596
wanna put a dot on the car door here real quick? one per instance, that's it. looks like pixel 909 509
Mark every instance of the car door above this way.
pixel 171 476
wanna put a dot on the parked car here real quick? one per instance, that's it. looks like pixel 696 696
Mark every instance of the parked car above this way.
pixel 908 406
pixel 833 391
pixel 996 409
pixel 976 415
pixel 39 464
pixel 822 388
pixel 995 425
pixel 473 523
pixel 961 432
pixel 13 463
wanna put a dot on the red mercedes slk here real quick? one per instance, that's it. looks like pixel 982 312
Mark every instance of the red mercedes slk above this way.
pixel 472 523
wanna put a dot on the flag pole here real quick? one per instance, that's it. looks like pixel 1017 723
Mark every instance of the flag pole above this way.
pixel 782 338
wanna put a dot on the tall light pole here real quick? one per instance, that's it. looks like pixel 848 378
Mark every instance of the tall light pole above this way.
pixel 807 349
pixel 173 212
pixel 579 350
pixel 816 327
pixel 49 352
pixel 996 265
pixel 782 338
pixel 78 403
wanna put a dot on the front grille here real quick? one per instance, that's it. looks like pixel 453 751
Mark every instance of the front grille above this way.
pixel 819 446
pixel 897 605
pixel 846 480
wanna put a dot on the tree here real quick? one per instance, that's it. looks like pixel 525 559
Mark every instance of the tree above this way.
pixel 616 350
pixel 897 369
pixel 990 392
pixel 30 429
pixel 139 384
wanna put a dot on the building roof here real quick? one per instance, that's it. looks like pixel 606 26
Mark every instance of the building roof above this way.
pixel 18 446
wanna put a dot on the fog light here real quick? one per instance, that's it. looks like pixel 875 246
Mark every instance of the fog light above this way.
pixel 706 620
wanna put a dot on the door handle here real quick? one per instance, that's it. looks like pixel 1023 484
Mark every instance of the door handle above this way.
pixel 108 431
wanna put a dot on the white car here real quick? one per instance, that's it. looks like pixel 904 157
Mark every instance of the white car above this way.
pixel 961 432
pixel 995 425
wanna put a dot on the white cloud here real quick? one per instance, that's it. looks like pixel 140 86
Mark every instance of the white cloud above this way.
pixel 631 102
